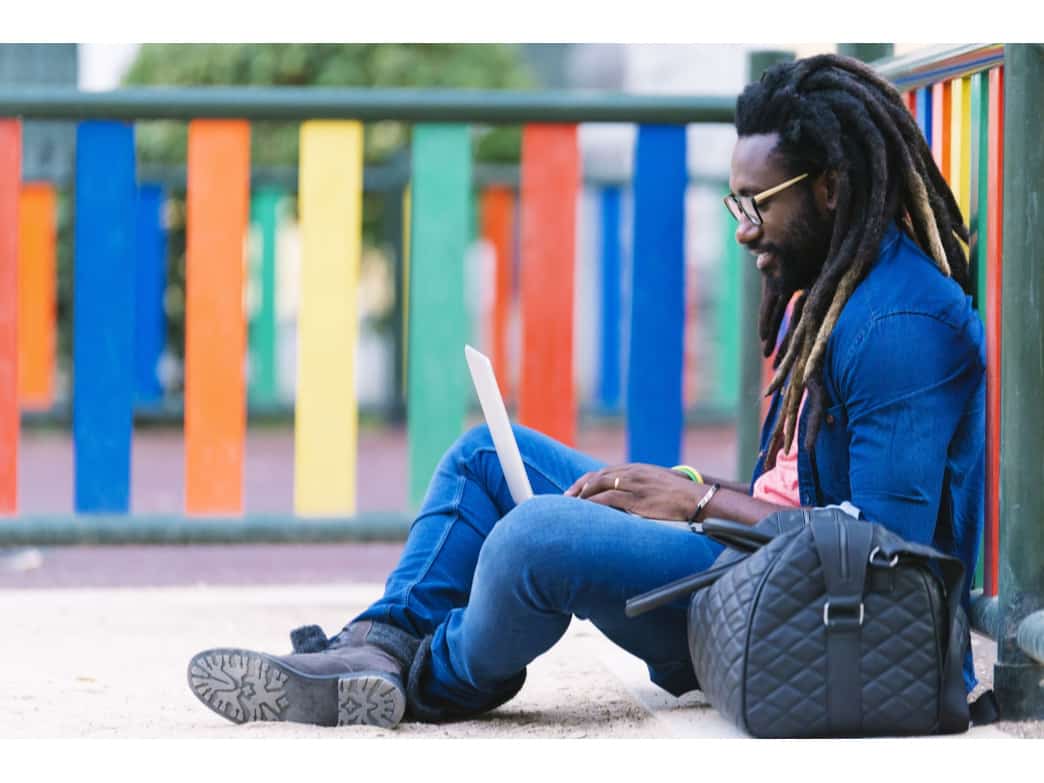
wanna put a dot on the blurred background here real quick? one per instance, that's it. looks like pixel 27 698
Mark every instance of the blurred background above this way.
pixel 711 365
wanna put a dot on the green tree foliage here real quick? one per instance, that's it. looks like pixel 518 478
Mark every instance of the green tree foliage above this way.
pixel 490 66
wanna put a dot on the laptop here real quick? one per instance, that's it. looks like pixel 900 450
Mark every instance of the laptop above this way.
pixel 499 424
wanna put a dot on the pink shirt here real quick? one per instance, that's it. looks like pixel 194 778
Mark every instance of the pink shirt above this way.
pixel 779 484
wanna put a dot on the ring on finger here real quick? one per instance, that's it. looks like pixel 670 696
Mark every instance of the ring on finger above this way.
pixel 616 484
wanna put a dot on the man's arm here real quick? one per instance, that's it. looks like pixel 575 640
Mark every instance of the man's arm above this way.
pixel 732 486
pixel 905 388
pixel 738 506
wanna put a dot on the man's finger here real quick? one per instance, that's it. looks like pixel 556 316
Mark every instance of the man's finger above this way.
pixel 603 481
pixel 614 498
pixel 579 483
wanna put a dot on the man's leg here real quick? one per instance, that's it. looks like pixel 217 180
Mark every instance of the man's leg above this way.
pixel 358 676
pixel 466 498
pixel 547 560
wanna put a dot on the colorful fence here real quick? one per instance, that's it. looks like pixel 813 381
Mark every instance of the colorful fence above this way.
pixel 119 322
pixel 959 106
pixel 962 118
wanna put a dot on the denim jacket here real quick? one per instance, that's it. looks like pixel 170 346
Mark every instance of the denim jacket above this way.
pixel 904 434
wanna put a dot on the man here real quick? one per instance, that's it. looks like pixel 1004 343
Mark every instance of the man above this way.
pixel 878 401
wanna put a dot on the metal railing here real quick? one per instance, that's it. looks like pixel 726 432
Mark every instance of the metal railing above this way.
pixel 939 63
pixel 368 105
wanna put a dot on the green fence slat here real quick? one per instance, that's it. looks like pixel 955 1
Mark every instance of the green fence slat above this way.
pixel 264 220
pixel 980 192
pixel 977 221
pixel 438 384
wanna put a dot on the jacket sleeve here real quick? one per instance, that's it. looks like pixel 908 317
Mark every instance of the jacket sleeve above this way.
pixel 904 383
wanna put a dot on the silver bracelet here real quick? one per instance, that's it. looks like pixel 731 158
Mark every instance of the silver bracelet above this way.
pixel 694 519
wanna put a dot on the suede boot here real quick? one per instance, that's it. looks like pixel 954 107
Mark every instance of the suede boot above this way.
pixel 357 677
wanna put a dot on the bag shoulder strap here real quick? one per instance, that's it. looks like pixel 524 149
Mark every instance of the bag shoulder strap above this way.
pixel 843 545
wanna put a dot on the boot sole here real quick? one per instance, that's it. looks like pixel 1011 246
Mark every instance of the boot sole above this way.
pixel 243 686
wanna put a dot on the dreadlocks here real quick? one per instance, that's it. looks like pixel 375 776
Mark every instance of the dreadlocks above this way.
pixel 835 113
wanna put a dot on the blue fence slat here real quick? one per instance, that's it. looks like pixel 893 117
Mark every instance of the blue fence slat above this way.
pixel 150 325
pixel 609 348
pixel 654 373
pixel 103 315
pixel 924 112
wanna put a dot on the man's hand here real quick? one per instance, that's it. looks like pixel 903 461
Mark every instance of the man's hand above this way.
pixel 646 490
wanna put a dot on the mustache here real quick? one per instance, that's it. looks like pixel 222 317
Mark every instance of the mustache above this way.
pixel 766 248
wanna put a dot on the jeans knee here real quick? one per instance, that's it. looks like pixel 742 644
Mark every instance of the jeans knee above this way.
pixel 478 437
pixel 532 533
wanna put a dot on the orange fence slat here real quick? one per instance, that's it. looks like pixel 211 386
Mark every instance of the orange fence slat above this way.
pixel 498 207
pixel 941 111
pixel 37 269
pixel 218 195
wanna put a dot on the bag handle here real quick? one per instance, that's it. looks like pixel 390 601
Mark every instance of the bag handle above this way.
pixel 679 588
pixel 736 535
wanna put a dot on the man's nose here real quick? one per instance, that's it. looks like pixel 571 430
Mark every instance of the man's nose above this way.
pixel 746 232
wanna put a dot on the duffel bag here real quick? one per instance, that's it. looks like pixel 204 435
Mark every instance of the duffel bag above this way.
pixel 816 624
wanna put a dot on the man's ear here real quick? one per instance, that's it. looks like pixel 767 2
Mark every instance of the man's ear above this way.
pixel 826 191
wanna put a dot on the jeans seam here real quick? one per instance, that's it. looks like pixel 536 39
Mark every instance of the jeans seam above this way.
pixel 458 496
pixel 529 466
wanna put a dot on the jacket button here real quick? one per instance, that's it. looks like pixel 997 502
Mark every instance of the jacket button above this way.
pixel 829 419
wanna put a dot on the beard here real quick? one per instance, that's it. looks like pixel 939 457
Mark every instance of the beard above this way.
pixel 801 253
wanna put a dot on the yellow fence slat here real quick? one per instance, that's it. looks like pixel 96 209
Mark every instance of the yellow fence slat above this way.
pixel 960 145
pixel 326 427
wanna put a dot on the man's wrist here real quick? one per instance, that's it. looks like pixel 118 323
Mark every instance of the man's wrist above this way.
pixel 704 502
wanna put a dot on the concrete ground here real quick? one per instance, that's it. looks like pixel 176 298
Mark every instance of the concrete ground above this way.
pixel 98 660
pixel 97 639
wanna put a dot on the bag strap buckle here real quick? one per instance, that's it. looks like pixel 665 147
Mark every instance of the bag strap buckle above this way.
pixel 844 617
pixel 882 563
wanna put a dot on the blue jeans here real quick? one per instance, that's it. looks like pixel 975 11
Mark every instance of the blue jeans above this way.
pixel 497 584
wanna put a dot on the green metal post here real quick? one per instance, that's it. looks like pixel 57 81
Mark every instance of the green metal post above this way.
pixel 729 316
pixel 1018 680
pixel 748 419
pixel 980 115
pixel 867 52
pixel 392 229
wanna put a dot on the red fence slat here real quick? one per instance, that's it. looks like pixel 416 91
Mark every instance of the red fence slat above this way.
pixel 550 180
pixel 10 192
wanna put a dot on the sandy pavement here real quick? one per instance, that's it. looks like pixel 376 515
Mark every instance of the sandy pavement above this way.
pixel 111 662
pixel 93 663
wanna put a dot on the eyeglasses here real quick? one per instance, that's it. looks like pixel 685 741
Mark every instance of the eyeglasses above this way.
pixel 747 206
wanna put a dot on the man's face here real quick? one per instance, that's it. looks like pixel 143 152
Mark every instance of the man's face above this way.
pixel 792 242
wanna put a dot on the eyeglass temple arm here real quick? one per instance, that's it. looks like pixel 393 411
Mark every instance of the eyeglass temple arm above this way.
pixel 783 185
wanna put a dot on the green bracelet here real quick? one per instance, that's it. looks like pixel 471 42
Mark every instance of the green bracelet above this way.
pixel 692 473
